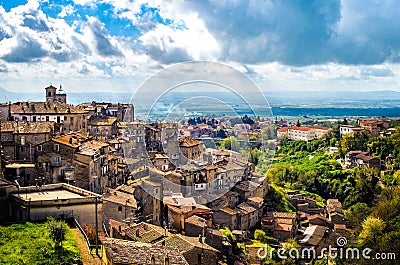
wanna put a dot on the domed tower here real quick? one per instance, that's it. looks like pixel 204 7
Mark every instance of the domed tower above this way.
pixel 61 96
pixel 51 93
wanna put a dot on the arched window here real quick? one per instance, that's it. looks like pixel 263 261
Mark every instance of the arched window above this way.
pixel 119 208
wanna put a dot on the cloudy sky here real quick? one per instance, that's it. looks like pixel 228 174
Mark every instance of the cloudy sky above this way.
pixel 114 45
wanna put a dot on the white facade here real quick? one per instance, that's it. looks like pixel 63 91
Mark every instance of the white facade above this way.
pixel 305 134
pixel 348 129
pixel 34 117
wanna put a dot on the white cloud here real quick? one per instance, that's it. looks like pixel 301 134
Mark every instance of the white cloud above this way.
pixel 66 11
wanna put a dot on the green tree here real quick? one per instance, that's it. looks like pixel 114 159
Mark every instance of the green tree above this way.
pixel 372 229
pixel 56 231
pixel 263 238
pixel 356 214
pixel 230 143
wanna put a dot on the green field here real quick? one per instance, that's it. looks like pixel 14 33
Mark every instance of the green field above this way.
pixel 29 243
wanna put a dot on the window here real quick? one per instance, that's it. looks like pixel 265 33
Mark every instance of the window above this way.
pixel 10 137
pixel 39 148
pixel 47 118
pixel 36 139
pixel 56 147
pixel 119 208
pixel 57 159
pixel 3 138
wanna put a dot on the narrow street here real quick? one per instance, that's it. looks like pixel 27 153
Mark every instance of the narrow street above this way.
pixel 87 258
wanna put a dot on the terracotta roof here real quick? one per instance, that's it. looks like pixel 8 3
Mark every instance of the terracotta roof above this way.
pixel 246 186
pixel 283 129
pixel 44 108
pixel 196 220
pixel 300 128
pixel 339 227
pixel 244 208
pixel 102 121
pixel 188 142
pixel 284 221
pixel 186 243
pixel 121 198
pixel 128 252
pixel 74 139
pixel 256 199
pixel 160 156
pixel 229 211
pixel 145 232
pixel 316 216
pixel 313 235
pixel 284 215
pixel 95 144
pixel 28 127
pixel 283 227
pixel 126 188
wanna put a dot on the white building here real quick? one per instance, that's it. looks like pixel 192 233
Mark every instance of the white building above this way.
pixel 307 133
pixel 349 128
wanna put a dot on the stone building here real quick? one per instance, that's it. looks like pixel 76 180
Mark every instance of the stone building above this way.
pixel 18 138
pixel 122 252
pixel 103 127
pixel 119 206
pixel 74 158
pixel 194 249
pixel 57 200
pixel 70 118
pixel 52 95
pixel 195 226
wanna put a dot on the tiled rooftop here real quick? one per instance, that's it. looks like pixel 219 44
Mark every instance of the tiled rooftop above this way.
pixel 27 127
pixel 244 208
pixel 196 220
pixel 284 215
pixel 45 108
pixel 186 243
pixel 128 252
pixel 145 232
pixel 188 142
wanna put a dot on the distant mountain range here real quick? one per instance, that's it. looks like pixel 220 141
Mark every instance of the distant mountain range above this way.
pixel 299 102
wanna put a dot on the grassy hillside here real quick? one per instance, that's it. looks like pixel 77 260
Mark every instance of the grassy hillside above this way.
pixel 29 243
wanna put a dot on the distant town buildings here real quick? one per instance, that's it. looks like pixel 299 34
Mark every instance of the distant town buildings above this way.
pixel 303 133
pixel 344 129
pixel 157 190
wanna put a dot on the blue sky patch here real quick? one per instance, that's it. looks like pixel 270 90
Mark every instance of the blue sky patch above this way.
pixel 8 4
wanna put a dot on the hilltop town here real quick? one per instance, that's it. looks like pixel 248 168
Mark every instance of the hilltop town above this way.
pixel 205 191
